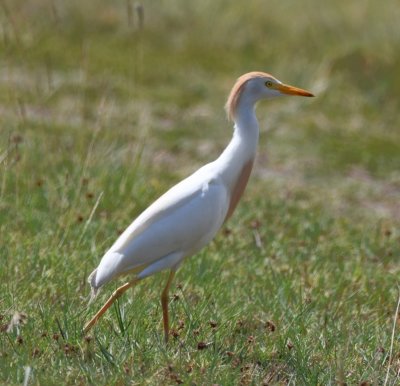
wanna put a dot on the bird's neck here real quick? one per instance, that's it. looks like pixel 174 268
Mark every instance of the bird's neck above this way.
pixel 241 150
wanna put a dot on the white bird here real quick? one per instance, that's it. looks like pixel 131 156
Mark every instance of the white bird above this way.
pixel 188 216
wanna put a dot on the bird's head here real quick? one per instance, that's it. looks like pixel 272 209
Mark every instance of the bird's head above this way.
pixel 255 86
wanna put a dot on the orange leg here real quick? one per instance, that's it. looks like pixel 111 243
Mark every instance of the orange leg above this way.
pixel 116 294
pixel 164 303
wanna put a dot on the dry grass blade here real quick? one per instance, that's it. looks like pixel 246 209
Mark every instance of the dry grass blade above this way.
pixel 395 319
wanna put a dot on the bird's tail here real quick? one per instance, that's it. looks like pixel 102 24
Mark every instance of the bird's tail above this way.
pixel 94 290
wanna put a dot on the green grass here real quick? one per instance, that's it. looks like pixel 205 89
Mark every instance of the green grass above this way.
pixel 98 117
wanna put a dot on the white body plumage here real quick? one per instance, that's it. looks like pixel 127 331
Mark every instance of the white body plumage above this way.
pixel 182 221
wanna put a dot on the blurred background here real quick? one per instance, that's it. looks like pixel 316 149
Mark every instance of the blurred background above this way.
pixel 161 71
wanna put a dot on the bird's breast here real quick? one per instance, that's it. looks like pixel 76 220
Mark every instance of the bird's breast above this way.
pixel 239 186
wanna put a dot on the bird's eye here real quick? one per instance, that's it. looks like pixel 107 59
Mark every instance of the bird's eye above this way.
pixel 268 83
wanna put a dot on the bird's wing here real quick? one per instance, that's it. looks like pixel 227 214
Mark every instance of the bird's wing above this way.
pixel 176 197
pixel 183 220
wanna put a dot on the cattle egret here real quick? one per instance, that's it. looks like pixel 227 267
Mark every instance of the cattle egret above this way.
pixel 188 216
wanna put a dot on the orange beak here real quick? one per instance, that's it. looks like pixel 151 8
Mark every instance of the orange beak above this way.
pixel 290 90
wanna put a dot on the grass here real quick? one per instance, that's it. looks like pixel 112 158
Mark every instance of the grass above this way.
pixel 99 116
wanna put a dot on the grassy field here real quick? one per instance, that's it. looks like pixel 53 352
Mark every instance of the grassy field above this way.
pixel 104 105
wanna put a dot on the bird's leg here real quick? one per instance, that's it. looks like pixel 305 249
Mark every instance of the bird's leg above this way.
pixel 116 294
pixel 164 303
